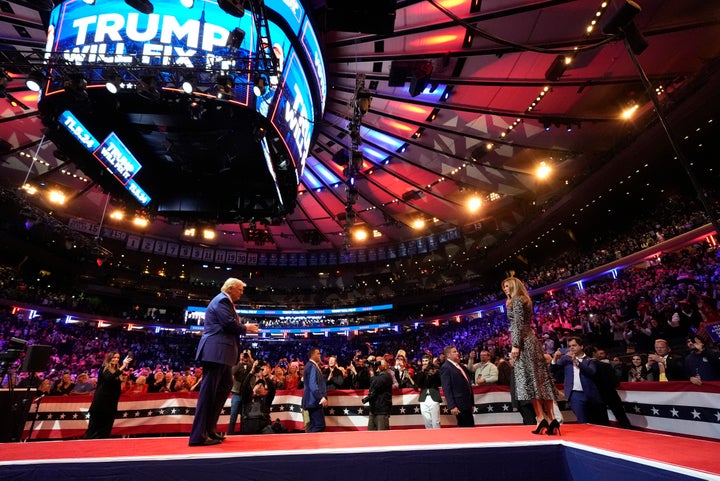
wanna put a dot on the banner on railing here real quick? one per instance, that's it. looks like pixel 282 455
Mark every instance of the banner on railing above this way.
pixel 674 407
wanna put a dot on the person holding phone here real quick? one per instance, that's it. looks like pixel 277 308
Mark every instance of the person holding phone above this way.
pixel 105 402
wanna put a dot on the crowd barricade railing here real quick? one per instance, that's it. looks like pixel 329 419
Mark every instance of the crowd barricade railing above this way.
pixel 672 407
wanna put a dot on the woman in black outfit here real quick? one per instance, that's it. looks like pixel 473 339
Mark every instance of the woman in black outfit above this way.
pixel 104 404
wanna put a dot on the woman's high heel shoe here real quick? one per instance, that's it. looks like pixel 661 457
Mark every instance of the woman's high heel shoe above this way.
pixel 552 427
pixel 541 427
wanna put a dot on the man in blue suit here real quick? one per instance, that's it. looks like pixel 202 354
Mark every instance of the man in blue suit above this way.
pixel 314 397
pixel 218 351
pixel 455 380
pixel 580 388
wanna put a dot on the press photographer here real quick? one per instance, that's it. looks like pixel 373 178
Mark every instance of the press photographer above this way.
pixel 380 398
pixel 257 393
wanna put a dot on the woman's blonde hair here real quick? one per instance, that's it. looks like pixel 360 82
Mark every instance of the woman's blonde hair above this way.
pixel 108 360
pixel 517 289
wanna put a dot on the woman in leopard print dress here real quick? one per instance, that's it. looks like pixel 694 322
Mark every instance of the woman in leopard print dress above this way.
pixel 532 376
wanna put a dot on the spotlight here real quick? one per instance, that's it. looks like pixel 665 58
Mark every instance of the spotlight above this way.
pixel 224 85
pixel 557 68
pixel 235 39
pixel 35 81
pixel 188 84
pixel 89 2
pixel 260 86
pixel 236 8
pixel 187 3
pixel 208 233
pixel 113 84
pixel 142 6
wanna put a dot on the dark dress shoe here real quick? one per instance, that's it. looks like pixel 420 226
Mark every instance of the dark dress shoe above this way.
pixel 206 442
pixel 218 436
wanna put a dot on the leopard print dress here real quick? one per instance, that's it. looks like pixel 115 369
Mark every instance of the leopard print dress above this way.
pixel 532 376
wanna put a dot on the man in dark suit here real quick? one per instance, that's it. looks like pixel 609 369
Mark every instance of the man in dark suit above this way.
pixel 663 365
pixel 580 388
pixel 218 351
pixel 314 397
pixel 607 382
pixel 455 380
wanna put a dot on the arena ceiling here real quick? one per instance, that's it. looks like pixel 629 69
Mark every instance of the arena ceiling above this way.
pixel 481 103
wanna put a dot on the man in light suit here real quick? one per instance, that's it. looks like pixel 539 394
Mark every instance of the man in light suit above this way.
pixel 314 397
pixel 218 351
pixel 580 388
pixel 457 389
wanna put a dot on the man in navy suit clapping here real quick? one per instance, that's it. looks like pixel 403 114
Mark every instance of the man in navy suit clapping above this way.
pixel 580 388
pixel 218 351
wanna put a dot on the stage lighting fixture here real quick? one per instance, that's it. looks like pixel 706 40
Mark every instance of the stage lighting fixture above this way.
pixel 224 85
pixel 142 6
pixel 622 25
pixel 35 81
pixel 113 84
pixel 235 39
pixel 364 99
pixel 188 84
pixel 624 15
pixel 187 3
pixel 557 68
pixel 148 87
pixel 236 8
pixel 352 195
pixel 259 132
pixel 260 86
pixel 4 79
pixel 196 109
pixel 341 157
pixel 420 77
pixel 357 160
pixel 75 81
pixel 89 2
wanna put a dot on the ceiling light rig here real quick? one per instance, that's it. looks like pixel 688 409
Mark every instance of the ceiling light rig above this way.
pixel 360 104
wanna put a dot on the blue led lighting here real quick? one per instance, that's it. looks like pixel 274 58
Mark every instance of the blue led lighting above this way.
pixel 310 181
pixel 382 139
pixel 373 154
pixel 322 171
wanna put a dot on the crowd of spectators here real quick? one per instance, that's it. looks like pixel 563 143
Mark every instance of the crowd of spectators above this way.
pixel 669 299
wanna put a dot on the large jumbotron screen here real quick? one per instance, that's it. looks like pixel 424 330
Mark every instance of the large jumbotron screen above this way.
pixel 111 34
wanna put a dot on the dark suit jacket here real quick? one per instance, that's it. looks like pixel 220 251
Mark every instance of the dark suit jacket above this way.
pixel 314 386
pixel 674 369
pixel 456 388
pixel 429 384
pixel 588 370
pixel 219 342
